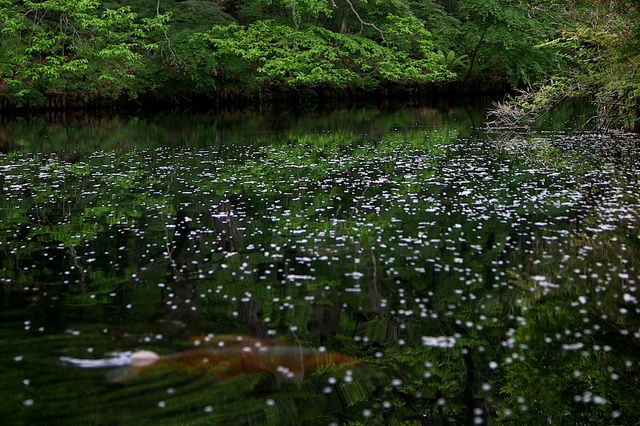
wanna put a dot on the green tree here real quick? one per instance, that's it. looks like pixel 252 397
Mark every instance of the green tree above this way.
pixel 72 47
pixel 599 43
pixel 98 51
pixel 270 55
pixel 507 36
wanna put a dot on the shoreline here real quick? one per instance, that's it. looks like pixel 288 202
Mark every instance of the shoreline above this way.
pixel 323 97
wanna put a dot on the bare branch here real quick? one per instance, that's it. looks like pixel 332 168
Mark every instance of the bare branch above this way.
pixel 295 22
pixel 362 22
pixel 166 37
pixel 293 15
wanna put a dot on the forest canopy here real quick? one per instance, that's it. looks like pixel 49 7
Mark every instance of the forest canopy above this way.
pixel 96 52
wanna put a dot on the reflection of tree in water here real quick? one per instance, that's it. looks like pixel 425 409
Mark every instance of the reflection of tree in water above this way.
pixel 224 224
pixel 324 321
pixel 189 254
pixel 248 311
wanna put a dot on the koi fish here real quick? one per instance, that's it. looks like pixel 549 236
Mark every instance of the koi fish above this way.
pixel 226 358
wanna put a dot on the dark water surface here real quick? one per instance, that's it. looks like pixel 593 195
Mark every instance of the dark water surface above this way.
pixel 468 277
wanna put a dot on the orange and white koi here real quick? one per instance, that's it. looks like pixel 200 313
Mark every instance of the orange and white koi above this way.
pixel 225 357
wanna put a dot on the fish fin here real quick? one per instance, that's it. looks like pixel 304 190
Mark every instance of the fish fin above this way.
pixel 122 375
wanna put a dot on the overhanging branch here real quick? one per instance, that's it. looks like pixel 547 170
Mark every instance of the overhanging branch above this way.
pixel 359 18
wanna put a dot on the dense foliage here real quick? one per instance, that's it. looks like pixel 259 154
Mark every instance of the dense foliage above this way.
pixel 600 42
pixel 97 51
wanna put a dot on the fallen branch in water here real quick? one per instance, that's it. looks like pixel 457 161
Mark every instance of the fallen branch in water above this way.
pixel 523 110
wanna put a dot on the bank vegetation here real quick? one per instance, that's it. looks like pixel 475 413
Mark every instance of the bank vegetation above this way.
pixel 63 53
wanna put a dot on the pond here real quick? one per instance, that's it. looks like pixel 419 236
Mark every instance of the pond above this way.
pixel 361 265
